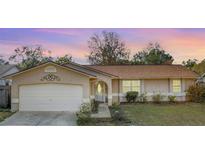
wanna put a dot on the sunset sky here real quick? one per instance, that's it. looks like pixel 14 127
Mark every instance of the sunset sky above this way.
pixel 182 44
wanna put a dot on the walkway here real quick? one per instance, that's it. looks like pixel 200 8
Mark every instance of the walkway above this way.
pixel 103 112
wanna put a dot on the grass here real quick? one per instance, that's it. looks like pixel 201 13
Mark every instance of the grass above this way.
pixel 4 114
pixel 188 114
pixel 100 123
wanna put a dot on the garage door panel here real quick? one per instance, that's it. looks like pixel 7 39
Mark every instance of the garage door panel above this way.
pixel 44 107
pixel 50 97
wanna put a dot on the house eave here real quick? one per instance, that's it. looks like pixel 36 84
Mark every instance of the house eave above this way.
pixel 47 63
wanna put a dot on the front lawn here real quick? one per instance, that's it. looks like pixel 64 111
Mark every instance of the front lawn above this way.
pixel 190 114
pixel 186 114
pixel 4 114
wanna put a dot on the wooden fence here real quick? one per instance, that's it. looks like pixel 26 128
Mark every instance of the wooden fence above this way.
pixel 5 100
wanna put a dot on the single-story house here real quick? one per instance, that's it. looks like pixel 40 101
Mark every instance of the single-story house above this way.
pixel 53 87
pixel 6 70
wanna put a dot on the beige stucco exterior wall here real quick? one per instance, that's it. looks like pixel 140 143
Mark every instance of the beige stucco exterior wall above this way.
pixel 115 90
pixel 162 86
pixel 34 77
pixel 156 86
pixel 115 85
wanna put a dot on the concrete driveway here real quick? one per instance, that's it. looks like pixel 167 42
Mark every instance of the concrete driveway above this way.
pixel 40 119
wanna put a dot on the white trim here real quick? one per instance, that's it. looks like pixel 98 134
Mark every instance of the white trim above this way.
pixel 118 94
pixel 109 96
pixel 50 63
pixel 166 94
pixel 14 100
pixel 92 97
pixel 150 94
pixel 86 100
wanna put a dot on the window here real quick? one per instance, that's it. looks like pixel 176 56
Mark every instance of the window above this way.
pixel 130 85
pixel 176 85
pixel 99 88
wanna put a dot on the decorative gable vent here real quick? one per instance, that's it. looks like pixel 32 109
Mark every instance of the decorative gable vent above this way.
pixel 50 77
pixel 50 69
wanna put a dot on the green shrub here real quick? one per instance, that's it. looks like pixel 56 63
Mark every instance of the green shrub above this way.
pixel 143 98
pixel 172 98
pixel 116 112
pixel 118 115
pixel 94 106
pixel 157 98
pixel 115 105
pixel 84 115
pixel 196 93
pixel 131 96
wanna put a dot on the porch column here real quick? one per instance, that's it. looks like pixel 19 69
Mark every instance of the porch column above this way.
pixel 109 92
pixel 92 89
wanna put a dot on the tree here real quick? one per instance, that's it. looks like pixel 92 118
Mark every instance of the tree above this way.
pixel 107 49
pixel 190 63
pixel 152 54
pixel 66 59
pixel 47 58
pixel 2 61
pixel 200 67
pixel 27 57
pixel 140 57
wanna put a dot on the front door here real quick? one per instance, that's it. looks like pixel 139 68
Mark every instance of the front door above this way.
pixel 101 92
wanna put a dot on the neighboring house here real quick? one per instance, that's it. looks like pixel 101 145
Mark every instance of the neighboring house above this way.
pixel 6 70
pixel 201 80
pixel 4 84
pixel 52 87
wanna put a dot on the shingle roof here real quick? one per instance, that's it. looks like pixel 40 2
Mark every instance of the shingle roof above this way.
pixel 147 71
pixel 65 66
pixel 5 68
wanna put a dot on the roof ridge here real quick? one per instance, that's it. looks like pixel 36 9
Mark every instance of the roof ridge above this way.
pixel 125 70
pixel 92 69
pixel 140 65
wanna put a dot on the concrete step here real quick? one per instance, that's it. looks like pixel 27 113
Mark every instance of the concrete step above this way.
pixel 103 112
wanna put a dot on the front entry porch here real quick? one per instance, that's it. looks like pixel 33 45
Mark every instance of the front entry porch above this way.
pixel 101 91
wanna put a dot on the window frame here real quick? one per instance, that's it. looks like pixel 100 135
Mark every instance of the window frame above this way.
pixel 131 86
pixel 174 85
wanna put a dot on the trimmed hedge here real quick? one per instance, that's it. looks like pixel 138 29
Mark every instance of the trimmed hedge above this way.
pixel 131 96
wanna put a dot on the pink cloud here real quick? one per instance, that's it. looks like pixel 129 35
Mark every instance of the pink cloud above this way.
pixel 65 31
pixel 181 44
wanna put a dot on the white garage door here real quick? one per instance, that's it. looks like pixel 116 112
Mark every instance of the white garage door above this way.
pixel 50 97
